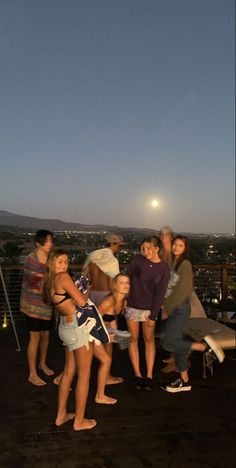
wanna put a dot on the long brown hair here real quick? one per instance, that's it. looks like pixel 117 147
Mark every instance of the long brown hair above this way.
pixel 51 274
pixel 184 255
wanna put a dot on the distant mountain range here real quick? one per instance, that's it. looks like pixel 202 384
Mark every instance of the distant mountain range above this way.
pixel 21 223
pixel 18 223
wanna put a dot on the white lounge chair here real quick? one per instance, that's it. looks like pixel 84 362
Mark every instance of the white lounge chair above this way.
pixel 200 325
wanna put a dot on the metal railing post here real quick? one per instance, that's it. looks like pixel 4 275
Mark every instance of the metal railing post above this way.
pixel 224 288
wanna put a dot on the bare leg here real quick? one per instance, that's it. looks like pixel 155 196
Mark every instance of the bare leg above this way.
pixel 133 328
pixel 102 355
pixel 44 342
pixel 199 347
pixel 111 379
pixel 150 349
pixel 194 347
pixel 32 351
pixel 170 367
pixel 184 376
pixel 58 378
pixel 83 360
pixel 64 388
pixel 169 360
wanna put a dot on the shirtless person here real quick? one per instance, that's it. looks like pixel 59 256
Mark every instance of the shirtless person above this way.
pixel 102 266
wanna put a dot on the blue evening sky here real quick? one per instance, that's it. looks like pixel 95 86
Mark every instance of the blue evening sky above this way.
pixel 108 104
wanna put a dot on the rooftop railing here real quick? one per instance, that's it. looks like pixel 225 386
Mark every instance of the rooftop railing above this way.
pixel 212 284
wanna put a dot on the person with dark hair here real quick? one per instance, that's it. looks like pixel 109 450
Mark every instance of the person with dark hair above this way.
pixel 166 236
pixel 102 266
pixel 149 277
pixel 38 314
pixel 176 309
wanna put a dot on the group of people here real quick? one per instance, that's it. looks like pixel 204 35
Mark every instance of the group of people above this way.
pixel 157 283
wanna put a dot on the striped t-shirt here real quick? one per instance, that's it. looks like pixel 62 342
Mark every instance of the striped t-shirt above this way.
pixel 31 302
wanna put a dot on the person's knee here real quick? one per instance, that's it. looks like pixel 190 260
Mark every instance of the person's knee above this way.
pixel 44 335
pixel 149 340
pixel 166 344
pixel 134 339
pixel 34 338
pixel 106 360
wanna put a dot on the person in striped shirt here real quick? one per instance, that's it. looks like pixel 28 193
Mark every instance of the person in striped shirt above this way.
pixel 38 314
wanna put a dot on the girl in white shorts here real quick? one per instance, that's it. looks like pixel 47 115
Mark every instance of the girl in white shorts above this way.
pixel 79 328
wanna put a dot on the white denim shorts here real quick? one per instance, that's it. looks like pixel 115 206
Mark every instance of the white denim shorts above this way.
pixel 73 337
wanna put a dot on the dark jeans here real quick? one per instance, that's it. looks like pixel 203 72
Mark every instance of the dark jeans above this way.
pixel 173 339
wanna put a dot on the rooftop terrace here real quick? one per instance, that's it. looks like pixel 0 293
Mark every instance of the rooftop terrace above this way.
pixel 145 429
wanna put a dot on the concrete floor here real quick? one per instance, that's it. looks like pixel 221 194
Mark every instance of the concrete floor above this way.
pixel 144 429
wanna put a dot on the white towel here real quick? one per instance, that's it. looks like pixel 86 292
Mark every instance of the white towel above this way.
pixel 105 260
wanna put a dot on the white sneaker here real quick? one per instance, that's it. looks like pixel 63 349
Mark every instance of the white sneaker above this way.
pixel 217 350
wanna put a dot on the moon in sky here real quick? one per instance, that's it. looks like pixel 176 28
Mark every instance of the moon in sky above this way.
pixel 154 203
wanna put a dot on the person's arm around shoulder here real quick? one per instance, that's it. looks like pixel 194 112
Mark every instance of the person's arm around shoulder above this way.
pixel 65 282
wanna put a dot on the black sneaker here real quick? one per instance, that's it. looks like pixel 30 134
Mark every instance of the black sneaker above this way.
pixel 214 350
pixel 178 386
pixel 148 384
pixel 138 383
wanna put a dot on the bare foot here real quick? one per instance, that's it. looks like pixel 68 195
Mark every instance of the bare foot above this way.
pixel 35 380
pixel 114 380
pixel 57 379
pixel 46 370
pixel 105 400
pixel 62 420
pixel 85 424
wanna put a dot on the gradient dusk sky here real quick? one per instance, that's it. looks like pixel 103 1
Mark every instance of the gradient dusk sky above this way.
pixel 108 104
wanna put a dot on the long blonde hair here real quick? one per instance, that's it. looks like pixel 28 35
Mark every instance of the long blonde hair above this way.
pixel 51 274
pixel 115 279
pixel 114 282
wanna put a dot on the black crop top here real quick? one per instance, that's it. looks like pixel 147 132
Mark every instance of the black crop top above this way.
pixel 65 297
